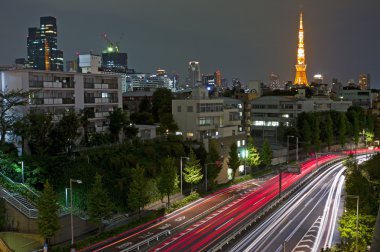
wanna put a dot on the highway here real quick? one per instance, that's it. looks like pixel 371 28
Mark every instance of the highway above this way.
pixel 204 234
pixel 306 222
pixel 205 223
pixel 138 237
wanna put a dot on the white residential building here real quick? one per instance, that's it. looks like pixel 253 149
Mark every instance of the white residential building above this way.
pixel 201 117
pixel 58 92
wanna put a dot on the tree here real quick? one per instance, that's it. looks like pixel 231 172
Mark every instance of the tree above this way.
pixel 316 133
pixel 266 153
pixel 306 133
pixel 118 119
pixel 9 113
pixel 167 123
pixel 193 170
pixel 213 157
pixel 47 205
pixel 99 205
pixel 142 118
pixel 168 180
pixel 85 115
pixel 65 132
pixel 35 129
pixel 329 131
pixel 342 129
pixel 253 157
pixel 130 131
pixel 161 103
pixel 138 194
pixel 233 161
pixel 145 105
pixel 347 229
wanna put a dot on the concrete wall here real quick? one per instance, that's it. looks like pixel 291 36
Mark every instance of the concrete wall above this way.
pixel 18 222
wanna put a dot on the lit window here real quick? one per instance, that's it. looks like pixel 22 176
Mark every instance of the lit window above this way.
pixel 238 143
pixel 243 142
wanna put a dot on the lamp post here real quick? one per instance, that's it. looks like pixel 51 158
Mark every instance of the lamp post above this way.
pixel 187 158
pixel 206 172
pixel 22 172
pixel 357 216
pixel 71 210
pixel 245 161
pixel 66 196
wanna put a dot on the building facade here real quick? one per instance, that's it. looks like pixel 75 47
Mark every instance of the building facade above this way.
pixel 200 117
pixel 194 73
pixel 362 98
pixel 58 92
pixel 43 53
pixel 268 112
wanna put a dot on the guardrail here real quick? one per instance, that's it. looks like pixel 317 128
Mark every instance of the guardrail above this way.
pixel 271 205
pixel 29 212
pixel 142 243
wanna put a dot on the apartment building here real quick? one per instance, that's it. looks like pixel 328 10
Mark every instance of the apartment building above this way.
pixel 58 92
pixel 200 117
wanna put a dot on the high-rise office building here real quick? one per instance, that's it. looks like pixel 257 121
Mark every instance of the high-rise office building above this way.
pixel 43 53
pixel 364 81
pixel 301 78
pixel 274 81
pixel 194 73
pixel 218 78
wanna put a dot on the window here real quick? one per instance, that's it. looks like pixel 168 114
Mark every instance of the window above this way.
pixel 238 143
pixel 179 109
pixel 272 106
pixel 299 106
pixel 189 108
pixel 258 106
pixel 209 107
pixel 233 132
pixel 288 106
pixel 243 142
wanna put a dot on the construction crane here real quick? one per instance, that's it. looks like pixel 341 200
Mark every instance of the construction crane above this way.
pixel 111 46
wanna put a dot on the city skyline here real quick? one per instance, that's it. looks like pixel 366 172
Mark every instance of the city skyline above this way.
pixel 248 40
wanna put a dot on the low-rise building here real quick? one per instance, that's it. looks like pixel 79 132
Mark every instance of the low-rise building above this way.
pixel 268 112
pixel 200 117
pixel 209 120
pixel 362 98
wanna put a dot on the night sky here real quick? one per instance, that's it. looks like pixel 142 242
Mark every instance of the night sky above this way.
pixel 247 39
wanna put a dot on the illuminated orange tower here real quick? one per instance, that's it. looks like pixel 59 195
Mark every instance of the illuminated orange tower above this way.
pixel 301 66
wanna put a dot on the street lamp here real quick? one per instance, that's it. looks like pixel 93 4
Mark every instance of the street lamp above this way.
pixel 71 210
pixel 187 158
pixel 245 151
pixel 357 216
pixel 206 172
pixel 66 196
pixel 22 172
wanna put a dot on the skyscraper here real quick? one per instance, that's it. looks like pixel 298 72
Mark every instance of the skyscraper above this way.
pixel 218 78
pixel 43 53
pixel 300 78
pixel 364 81
pixel 274 81
pixel 194 73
